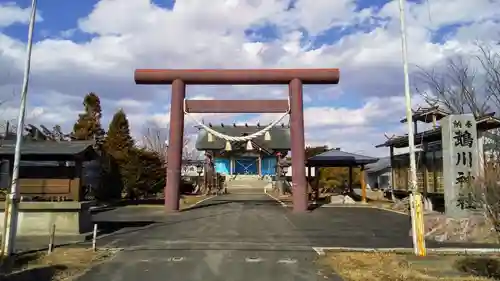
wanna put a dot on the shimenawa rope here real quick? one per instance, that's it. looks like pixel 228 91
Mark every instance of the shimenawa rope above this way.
pixel 234 138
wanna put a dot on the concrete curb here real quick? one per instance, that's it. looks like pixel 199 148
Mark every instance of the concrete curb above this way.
pixel 450 251
pixel 199 202
pixel 283 204
pixel 363 206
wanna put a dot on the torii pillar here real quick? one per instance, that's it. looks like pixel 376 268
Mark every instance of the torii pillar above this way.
pixel 294 78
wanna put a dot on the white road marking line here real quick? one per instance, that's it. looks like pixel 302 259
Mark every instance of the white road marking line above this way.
pixel 279 201
pixel 287 261
pixel 175 259
pixel 363 206
pixel 319 251
pixel 253 259
pixel 199 202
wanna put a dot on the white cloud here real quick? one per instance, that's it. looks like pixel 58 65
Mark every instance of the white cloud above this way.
pixel 131 34
pixel 10 14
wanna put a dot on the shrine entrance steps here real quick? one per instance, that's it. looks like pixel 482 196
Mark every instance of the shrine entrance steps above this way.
pixel 246 184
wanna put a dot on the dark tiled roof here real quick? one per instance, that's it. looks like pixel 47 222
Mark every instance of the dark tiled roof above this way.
pixel 339 158
pixel 420 138
pixel 280 137
pixel 46 148
pixel 424 114
pixel 485 123
pixel 381 164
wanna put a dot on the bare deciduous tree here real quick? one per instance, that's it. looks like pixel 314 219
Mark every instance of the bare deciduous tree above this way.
pixel 490 62
pixel 156 139
pixel 455 88
pixel 472 85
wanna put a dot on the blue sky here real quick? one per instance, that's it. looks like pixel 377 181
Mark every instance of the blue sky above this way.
pixel 61 15
pixel 359 37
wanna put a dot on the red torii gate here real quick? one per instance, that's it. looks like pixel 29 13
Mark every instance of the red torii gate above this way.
pixel 179 78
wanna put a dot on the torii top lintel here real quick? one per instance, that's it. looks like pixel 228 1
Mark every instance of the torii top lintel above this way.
pixel 236 76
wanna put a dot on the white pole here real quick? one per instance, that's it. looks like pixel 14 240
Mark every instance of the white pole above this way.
pixel 11 227
pixel 94 238
pixel 409 119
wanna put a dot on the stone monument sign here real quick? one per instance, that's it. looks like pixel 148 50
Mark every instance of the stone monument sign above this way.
pixel 460 162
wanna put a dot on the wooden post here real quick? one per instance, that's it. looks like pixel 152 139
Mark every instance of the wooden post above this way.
pixel 363 184
pixel 52 235
pixel 393 173
pixel 78 195
pixel 259 166
pixel 350 179
pixel 205 174
pixel 94 238
pixel 316 183
pixel 435 172
pixel 423 160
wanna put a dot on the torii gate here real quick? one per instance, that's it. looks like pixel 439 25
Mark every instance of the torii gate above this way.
pixel 179 78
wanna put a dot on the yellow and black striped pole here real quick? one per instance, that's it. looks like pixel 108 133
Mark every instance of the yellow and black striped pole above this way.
pixel 418 228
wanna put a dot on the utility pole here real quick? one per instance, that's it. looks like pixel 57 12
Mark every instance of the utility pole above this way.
pixel 13 198
pixel 416 207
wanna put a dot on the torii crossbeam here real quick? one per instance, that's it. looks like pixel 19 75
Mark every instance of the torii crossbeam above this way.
pixel 179 78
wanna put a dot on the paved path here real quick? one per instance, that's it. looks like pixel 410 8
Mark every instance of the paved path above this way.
pixel 239 237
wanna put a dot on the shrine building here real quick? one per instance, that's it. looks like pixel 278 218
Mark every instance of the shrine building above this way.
pixel 258 156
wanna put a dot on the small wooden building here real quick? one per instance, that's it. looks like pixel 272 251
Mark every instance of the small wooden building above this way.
pixel 256 157
pixel 49 170
pixel 428 152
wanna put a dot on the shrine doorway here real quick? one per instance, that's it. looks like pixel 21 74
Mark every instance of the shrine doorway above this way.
pixel 246 166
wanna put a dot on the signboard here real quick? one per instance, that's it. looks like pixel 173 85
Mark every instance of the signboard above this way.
pixel 460 162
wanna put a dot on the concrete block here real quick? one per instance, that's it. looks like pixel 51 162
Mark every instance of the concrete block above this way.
pixel 36 218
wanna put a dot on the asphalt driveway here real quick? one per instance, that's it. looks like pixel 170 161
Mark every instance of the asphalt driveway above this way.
pixel 238 237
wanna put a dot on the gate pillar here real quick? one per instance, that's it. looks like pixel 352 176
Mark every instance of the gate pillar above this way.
pixel 175 146
pixel 299 183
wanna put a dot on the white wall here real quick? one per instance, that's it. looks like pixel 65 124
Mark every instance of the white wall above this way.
pixel 372 178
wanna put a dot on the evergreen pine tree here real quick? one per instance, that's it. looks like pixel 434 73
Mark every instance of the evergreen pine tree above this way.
pixel 88 126
pixel 118 141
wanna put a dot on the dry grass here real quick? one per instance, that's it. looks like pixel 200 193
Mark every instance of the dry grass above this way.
pixel 399 267
pixel 62 264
